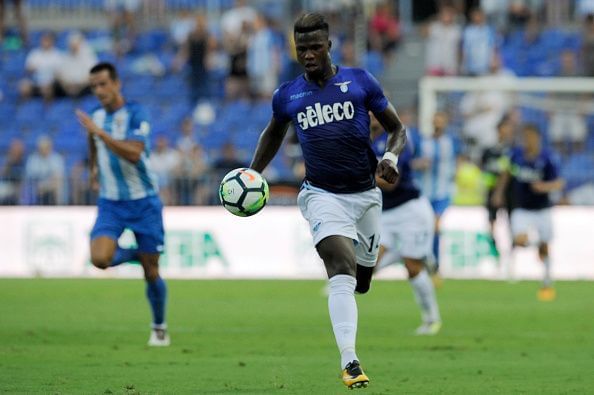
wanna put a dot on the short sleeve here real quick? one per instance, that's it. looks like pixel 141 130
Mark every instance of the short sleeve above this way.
pixel 140 126
pixel 375 101
pixel 278 107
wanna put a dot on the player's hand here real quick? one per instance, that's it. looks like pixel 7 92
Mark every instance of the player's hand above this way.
pixel 94 180
pixel 539 187
pixel 86 122
pixel 387 170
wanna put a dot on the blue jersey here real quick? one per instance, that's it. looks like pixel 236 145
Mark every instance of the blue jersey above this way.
pixel 120 179
pixel 405 189
pixel 525 171
pixel 332 125
pixel 437 182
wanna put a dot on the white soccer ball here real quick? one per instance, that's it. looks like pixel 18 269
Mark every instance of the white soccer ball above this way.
pixel 243 192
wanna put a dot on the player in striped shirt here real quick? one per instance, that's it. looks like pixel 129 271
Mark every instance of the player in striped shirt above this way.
pixel 435 165
pixel 119 150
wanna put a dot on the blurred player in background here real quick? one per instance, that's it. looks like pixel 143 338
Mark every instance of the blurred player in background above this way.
pixel 534 174
pixel 328 106
pixel 495 160
pixel 119 149
pixel 407 226
pixel 435 164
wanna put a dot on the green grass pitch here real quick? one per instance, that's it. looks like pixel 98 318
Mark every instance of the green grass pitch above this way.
pixel 259 337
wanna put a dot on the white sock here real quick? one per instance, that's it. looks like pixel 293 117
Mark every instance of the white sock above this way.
pixel 343 315
pixel 425 296
pixel 548 281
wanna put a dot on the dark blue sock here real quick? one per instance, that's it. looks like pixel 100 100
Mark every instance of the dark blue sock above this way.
pixel 436 250
pixel 124 255
pixel 156 293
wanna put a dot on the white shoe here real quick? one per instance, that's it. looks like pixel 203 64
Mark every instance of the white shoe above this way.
pixel 159 338
pixel 428 329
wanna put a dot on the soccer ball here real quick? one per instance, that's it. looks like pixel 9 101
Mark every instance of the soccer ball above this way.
pixel 243 192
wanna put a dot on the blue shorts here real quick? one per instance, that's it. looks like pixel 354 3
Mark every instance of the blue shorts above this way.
pixel 440 205
pixel 144 217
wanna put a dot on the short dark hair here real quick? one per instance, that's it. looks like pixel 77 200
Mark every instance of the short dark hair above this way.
pixel 310 22
pixel 99 67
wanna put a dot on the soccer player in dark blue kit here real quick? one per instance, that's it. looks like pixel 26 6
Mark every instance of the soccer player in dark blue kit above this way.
pixel 118 134
pixel 534 174
pixel 328 106
pixel 407 226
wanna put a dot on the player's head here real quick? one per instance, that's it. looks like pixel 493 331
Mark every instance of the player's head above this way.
pixel 440 122
pixel 105 84
pixel 531 136
pixel 312 43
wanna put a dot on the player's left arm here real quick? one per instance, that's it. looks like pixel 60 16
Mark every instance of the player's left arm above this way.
pixel 387 168
pixel 131 150
pixel 552 181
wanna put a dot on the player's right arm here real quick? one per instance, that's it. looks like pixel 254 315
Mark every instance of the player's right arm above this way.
pixel 273 134
pixel 131 150
pixel 93 172
pixel 268 144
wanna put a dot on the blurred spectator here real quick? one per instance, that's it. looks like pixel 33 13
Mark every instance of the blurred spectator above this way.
pixel 192 178
pixel 73 72
pixel 482 111
pixel 584 8
pixel 187 139
pixel 81 190
pixel 122 14
pixel 496 12
pixel 11 173
pixel 164 161
pixel 228 160
pixel 236 25
pixel 518 15
pixel 263 60
pixel 44 175
pixel 478 45
pixel 41 64
pixel 17 6
pixel 234 19
pixel 181 26
pixel 195 52
pixel 347 54
pixel 443 44
pixel 567 121
pixel 384 29
pixel 588 46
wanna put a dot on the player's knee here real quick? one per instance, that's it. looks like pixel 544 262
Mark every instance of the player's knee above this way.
pixel 413 267
pixel 339 262
pixel 101 261
pixel 521 241
pixel 543 250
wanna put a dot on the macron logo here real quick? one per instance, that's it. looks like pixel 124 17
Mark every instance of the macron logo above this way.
pixel 300 95
pixel 319 114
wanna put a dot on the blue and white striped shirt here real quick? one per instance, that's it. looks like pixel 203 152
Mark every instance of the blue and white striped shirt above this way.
pixel 119 178
pixel 437 182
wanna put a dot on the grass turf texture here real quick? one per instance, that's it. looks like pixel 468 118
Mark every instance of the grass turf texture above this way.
pixel 257 337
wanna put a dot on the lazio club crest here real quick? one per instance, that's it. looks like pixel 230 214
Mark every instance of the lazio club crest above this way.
pixel 343 86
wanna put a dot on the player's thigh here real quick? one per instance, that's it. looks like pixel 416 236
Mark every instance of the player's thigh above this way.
pixel 410 228
pixel 369 229
pixel 147 225
pixel 327 215
pixel 107 229
pixel 544 225
pixel 522 221
pixel 338 254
